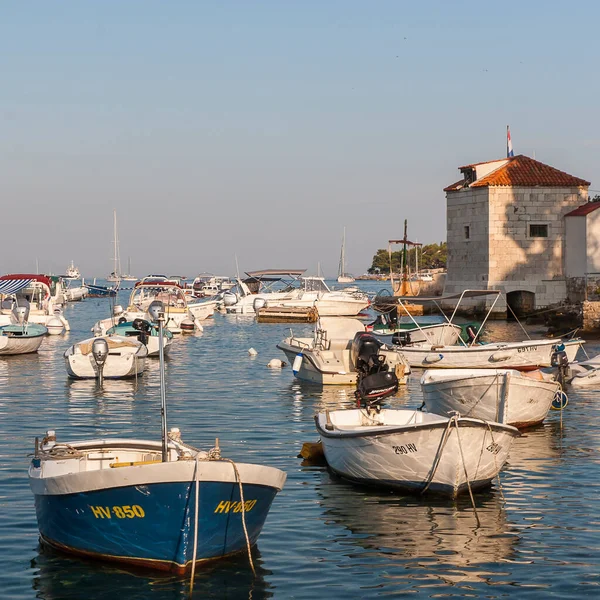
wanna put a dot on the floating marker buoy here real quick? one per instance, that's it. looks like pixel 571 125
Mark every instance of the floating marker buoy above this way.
pixel 560 400
pixel 297 363
pixel 252 352
pixel 275 363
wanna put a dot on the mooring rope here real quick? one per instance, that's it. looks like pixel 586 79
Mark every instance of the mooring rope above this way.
pixel 195 550
pixel 462 456
pixel 496 464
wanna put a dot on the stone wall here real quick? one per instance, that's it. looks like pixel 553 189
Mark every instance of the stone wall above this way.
pixel 591 316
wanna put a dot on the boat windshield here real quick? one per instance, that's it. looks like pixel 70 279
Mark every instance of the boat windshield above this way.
pixel 314 284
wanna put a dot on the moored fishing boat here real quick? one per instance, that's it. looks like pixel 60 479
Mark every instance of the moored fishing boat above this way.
pixel 414 451
pixel 157 504
pixel 502 395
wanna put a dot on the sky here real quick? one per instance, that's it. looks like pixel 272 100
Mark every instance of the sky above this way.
pixel 260 129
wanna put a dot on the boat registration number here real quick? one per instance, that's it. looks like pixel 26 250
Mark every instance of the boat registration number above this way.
pixel 408 449
pixel 120 512
pixel 225 506
pixel 494 448
pixel 527 349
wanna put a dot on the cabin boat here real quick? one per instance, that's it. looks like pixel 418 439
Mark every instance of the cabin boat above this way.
pixel 145 332
pixel 72 272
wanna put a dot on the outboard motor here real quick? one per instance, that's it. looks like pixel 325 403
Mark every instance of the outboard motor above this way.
pixel 142 328
pixel 560 360
pixel 259 303
pixel 229 299
pixel 401 338
pixel 374 382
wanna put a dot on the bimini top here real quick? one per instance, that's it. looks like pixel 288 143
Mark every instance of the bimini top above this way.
pixel 9 284
pixel 457 296
pixel 275 273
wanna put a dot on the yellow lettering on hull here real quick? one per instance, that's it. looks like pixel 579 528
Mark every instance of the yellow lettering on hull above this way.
pixel 225 506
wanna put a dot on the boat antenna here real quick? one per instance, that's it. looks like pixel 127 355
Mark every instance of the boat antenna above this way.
pixel 237 267
pixel 156 310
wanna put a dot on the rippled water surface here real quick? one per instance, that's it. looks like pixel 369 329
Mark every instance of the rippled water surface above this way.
pixel 323 538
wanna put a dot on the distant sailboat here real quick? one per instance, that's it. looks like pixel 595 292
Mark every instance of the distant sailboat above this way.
pixel 344 277
pixel 128 276
pixel 116 276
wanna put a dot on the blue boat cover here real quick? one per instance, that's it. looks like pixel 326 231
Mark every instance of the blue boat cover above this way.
pixel 10 286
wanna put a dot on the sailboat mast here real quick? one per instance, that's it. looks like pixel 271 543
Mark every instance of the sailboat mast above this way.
pixel 117 256
pixel 342 267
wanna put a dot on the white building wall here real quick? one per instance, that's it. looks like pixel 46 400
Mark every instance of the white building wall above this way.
pixel 593 241
pixel 575 247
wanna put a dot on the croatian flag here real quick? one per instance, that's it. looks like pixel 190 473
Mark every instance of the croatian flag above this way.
pixel 509 148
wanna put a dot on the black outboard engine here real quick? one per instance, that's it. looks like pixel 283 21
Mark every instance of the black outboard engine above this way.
pixel 374 382
pixel 401 338
pixel 560 360
pixel 142 328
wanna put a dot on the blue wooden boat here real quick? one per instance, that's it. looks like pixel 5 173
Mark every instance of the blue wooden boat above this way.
pixel 160 504
pixel 117 500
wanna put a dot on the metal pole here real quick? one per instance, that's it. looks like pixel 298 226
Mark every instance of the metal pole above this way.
pixel 163 395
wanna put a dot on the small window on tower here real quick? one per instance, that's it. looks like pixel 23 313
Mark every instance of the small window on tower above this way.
pixel 538 230
pixel 467 232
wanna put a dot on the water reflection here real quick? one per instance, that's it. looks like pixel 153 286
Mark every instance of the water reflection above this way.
pixel 435 539
pixel 59 577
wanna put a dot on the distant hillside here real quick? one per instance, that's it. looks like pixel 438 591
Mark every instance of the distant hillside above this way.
pixel 431 256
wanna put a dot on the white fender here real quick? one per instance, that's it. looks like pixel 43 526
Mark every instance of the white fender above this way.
pixel 433 358
pixel 297 363
pixel 501 355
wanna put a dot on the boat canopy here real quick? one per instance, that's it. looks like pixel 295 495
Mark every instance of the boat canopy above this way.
pixel 457 296
pixel 11 286
pixel 279 273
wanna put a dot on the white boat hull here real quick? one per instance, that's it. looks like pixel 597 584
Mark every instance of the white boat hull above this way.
pixel 527 355
pixel 504 396
pixel 443 334
pixel 404 449
pixel 202 310
pixel 20 345
pixel 126 358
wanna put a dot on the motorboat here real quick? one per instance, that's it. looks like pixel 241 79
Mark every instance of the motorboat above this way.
pixel 313 291
pixel 268 286
pixel 328 357
pixel 21 337
pixel 95 290
pixel 207 285
pixel 142 295
pixel 72 272
pixel 414 451
pixel 75 293
pixel 154 504
pixel 528 354
pixel 40 294
pixel 106 357
pixel 145 332
pixel 523 355
pixel 585 373
pixel 502 395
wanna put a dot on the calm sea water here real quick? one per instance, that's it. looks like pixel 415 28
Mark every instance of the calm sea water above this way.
pixel 323 537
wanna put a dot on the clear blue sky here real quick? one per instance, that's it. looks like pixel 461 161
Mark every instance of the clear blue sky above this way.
pixel 263 128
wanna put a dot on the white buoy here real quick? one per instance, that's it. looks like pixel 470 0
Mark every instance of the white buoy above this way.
pixel 275 363
pixel 55 326
pixel 252 352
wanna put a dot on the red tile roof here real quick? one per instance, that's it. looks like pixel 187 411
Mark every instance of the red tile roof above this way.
pixel 522 171
pixel 584 209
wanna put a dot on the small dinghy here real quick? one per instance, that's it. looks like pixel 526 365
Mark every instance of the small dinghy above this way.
pixel 108 357
pixel 502 395
pixel 21 338
pixel 414 451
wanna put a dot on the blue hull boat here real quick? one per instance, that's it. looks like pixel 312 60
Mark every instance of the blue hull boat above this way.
pixel 116 500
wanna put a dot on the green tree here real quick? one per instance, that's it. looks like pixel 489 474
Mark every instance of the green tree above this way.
pixel 431 256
